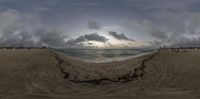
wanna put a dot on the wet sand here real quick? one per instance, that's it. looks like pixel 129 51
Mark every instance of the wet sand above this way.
pixel 46 74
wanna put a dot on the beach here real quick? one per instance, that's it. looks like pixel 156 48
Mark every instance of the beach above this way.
pixel 47 74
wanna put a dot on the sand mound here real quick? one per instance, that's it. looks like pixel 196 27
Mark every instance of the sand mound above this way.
pixel 45 74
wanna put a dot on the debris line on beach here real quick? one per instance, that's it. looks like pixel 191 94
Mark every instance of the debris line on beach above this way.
pixel 130 76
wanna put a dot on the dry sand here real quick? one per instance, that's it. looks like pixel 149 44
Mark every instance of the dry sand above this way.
pixel 46 74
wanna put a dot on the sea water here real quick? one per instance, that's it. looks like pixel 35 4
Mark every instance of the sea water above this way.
pixel 104 55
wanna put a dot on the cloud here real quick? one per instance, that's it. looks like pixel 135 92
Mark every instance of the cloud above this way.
pixel 187 41
pixel 39 38
pixel 159 35
pixel 168 28
pixel 41 9
pixel 93 25
pixel 16 39
pixel 169 4
pixel 183 41
pixel 53 38
pixel 14 32
pixel 86 3
pixel 86 37
pixel 119 36
pixel 8 0
pixel 158 22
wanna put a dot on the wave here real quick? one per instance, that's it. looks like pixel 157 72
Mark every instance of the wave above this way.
pixel 103 55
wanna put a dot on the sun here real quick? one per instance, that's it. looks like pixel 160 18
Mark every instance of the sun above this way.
pixel 94 44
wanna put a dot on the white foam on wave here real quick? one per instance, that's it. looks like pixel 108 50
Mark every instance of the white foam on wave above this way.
pixel 105 60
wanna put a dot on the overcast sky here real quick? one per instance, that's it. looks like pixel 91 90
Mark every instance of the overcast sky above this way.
pixel 100 23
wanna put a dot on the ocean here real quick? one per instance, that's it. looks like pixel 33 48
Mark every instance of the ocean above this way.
pixel 104 55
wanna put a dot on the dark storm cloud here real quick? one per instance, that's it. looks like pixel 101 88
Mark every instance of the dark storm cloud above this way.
pixel 158 4
pixel 159 34
pixel 23 38
pixel 95 37
pixel 187 42
pixel 52 38
pixel 48 38
pixel 87 37
pixel 173 29
pixel 13 32
pixel 184 41
pixel 94 25
pixel 119 36
pixel 166 21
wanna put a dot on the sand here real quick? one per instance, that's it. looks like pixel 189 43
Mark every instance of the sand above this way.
pixel 46 74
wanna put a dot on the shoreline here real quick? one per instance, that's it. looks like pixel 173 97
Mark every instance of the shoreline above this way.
pixel 119 59
pixel 41 71
pixel 105 60
pixel 123 78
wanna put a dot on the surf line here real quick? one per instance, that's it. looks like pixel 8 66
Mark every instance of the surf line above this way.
pixel 137 72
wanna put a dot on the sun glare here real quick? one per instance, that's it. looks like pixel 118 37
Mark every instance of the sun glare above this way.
pixel 94 44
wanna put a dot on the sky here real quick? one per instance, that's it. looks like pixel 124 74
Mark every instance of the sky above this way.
pixel 100 23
